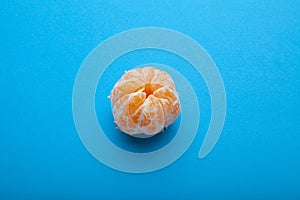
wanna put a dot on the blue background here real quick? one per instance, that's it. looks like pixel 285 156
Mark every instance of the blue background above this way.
pixel 256 46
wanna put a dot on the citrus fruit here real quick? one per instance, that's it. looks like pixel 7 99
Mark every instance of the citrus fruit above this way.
pixel 144 101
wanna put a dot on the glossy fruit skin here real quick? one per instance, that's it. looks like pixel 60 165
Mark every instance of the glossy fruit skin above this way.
pixel 144 101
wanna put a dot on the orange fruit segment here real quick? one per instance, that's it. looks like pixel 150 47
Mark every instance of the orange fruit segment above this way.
pixel 144 101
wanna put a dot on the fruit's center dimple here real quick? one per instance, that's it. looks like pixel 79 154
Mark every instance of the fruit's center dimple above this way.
pixel 148 90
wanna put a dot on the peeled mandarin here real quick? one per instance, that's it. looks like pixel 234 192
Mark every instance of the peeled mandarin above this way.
pixel 144 101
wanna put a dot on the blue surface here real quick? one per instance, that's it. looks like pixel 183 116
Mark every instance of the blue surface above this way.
pixel 256 46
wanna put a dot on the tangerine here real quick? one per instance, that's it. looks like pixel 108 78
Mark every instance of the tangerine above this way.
pixel 144 101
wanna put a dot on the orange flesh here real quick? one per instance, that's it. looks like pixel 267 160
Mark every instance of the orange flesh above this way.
pixel 144 101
